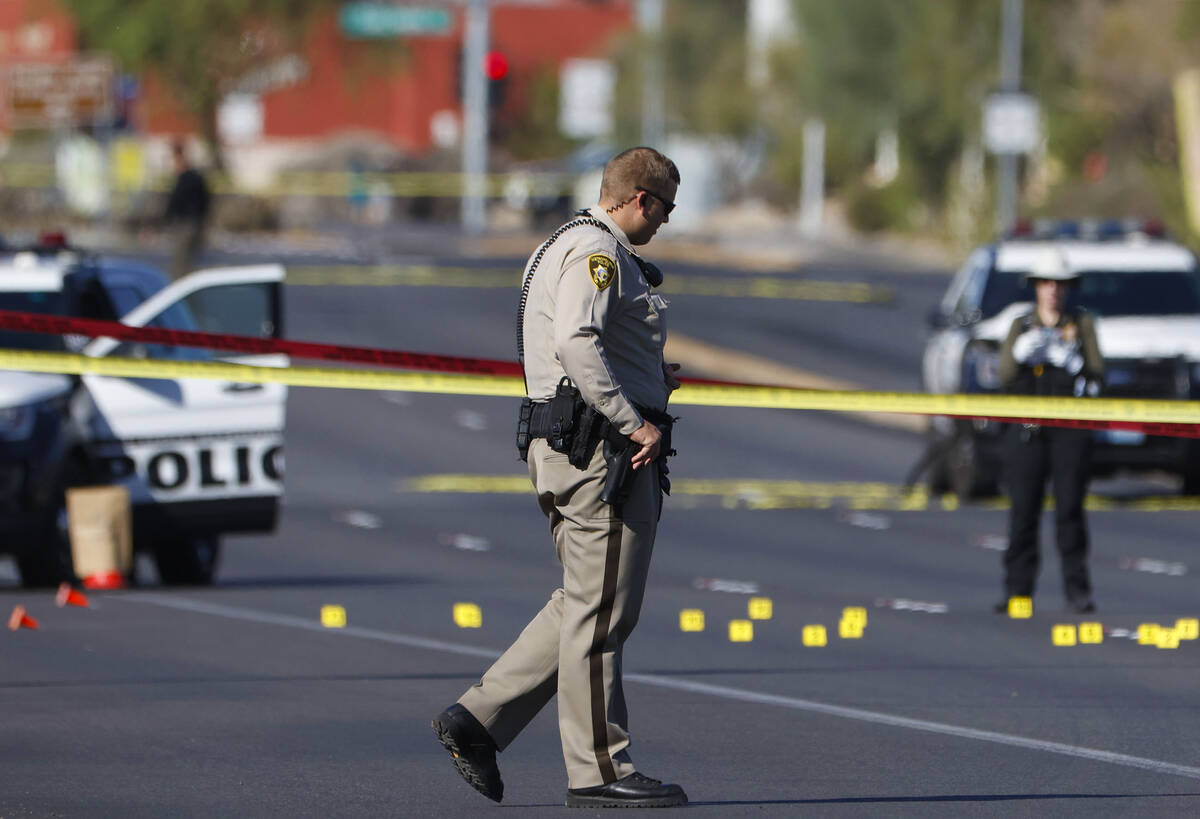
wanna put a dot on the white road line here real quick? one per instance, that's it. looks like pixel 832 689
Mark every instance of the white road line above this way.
pixel 253 616
pixel 719 691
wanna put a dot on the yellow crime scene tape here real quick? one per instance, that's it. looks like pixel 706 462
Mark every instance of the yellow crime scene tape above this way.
pixel 339 183
pixel 690 394
pixel 757 287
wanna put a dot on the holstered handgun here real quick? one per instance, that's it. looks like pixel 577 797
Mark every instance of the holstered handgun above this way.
pixel 618 483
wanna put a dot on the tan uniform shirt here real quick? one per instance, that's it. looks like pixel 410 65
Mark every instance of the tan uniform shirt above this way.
pixel 592 317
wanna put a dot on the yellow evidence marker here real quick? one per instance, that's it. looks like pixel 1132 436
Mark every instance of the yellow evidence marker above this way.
pixel 1020 608
pixel 333 617
pixel 759 608
pixel 1166 638
pixel 1148 634
pixel 849 629
pixel 691 620
pixel 1063 634
pixel 741 631
pixel 856 614
pixel 1188 628
pixel 467 615
pixel 1091 633
pixel 814 636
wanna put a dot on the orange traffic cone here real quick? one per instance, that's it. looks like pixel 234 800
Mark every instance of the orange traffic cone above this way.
pixel 104 580
pixel 68 596
pixel 20 619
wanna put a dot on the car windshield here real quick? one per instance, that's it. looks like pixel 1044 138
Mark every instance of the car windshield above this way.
pixel 1107 292
pixel 46 303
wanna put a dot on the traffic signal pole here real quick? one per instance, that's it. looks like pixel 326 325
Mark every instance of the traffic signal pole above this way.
pixel 475 117
pixel 1010 80
pixel 650 20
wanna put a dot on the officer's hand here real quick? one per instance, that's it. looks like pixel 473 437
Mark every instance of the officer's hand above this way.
pixel 1064 357
pixel 1030 347
pixel 669 371
pixel 648 437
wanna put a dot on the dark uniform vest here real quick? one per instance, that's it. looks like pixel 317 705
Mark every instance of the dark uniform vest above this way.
pixel 1044 379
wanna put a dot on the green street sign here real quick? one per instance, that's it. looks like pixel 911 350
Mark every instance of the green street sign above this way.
pixel 383 20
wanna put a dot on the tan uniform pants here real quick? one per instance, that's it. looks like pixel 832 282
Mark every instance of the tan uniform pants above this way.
pixel 573 645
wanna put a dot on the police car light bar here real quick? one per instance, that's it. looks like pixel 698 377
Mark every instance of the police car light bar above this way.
pixel 1088 229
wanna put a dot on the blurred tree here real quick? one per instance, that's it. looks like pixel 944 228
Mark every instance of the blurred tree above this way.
pixel 921 68
pixel 199 49
pixel 704 54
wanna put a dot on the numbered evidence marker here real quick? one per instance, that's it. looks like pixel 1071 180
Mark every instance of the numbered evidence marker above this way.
pixel 1020 608
pixel 467 615
pixel 691 620
pixel 1188 628
pixel 814 636
pixel 1091 633
pixel 759 608
pixel 741 631
pixel 1167 638
pixel 856 614
pixel 1063 634
pixel 850 629
pixel 1148 634
pixel 333 617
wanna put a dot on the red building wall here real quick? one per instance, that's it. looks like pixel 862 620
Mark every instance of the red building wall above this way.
pixel 355 86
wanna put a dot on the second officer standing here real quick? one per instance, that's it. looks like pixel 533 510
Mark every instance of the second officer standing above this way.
pixel 1050 351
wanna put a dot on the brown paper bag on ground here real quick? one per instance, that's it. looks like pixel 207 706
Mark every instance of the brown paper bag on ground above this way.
pixel 101 530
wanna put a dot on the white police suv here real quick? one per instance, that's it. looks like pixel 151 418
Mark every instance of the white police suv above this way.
pixel 200 458
pixel 1144 291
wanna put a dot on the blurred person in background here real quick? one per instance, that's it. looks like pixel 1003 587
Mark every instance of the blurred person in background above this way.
pixel 595 432
pixel 186 215
pixel 1051 351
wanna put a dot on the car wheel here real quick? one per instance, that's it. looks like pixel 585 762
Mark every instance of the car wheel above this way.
pixel 937 471
pixel 188 561
pixel 47 560
pixel 1191 483
pixel 969 476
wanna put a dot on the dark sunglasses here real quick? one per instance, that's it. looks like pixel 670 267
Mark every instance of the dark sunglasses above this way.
pixel 667 206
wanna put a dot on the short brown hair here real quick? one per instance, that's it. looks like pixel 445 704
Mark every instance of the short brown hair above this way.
pixel 634 168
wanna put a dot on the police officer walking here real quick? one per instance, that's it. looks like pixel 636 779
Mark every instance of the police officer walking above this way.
pixel 595 432
pixel 1050 351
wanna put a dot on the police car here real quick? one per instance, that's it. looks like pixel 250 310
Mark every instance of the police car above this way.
pixel 200 458
pixel 1144 291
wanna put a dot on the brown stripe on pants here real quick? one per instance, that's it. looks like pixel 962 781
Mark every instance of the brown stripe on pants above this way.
pixel 573 645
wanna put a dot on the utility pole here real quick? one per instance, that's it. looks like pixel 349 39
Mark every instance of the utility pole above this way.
pixel 812 183
pixel 1010 82
pixel 650 20
pixel 475 117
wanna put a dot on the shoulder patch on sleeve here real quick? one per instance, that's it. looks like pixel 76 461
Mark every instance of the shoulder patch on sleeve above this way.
pixel 603 269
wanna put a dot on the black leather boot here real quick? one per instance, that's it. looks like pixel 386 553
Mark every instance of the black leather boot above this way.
pixel 633 791
pixel 472 748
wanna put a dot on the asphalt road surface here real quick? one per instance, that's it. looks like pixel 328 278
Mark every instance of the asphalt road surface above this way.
pixel 236 700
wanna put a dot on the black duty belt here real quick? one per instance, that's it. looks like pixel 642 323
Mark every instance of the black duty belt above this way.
pixel 541 419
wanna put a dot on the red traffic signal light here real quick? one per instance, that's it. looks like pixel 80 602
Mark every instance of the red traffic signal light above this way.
pixel 495 65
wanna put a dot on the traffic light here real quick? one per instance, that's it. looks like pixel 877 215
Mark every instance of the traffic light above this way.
pixel 495 68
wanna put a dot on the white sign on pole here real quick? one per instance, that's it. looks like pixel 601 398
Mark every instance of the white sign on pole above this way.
pixel 1011 123
pixel 240 118
pixel 586 89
